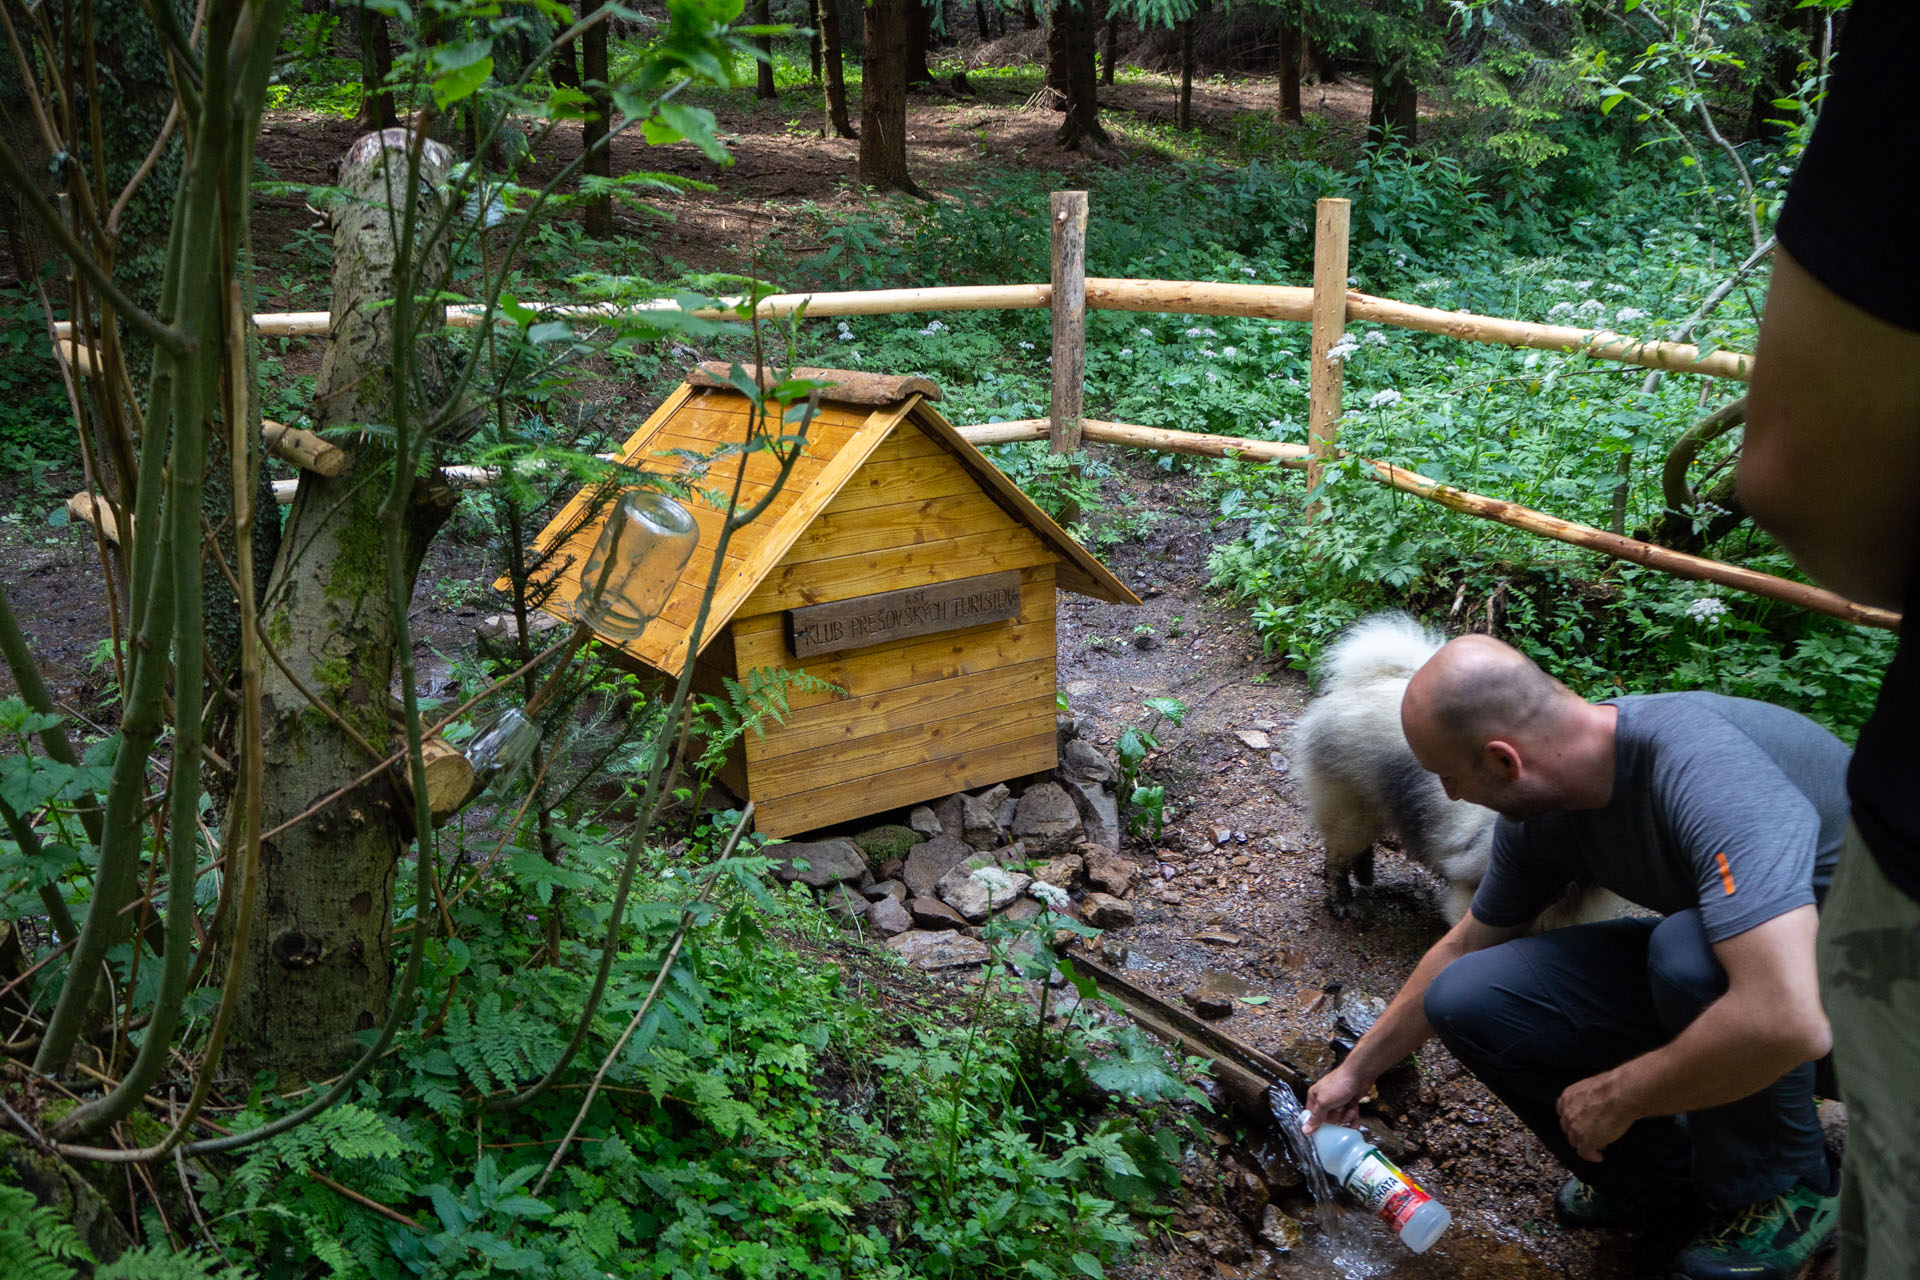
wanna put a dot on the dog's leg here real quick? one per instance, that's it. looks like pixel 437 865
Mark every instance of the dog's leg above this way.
pixel 1349 837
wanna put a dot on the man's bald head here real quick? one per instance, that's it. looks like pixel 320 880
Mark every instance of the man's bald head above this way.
pixel 1476 689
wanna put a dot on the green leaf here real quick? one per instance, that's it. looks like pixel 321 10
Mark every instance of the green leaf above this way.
pixel 677 122
pixel 1255 1000
pixel 1088 1265
pixel 455 86
pixel 1612 100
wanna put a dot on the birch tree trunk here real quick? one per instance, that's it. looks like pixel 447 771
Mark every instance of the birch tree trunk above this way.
pixel 319 965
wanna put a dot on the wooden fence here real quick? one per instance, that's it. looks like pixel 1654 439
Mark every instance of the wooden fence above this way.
pixel 1328 305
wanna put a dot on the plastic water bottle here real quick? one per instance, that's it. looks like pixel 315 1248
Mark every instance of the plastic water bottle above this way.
pixel 1378 1184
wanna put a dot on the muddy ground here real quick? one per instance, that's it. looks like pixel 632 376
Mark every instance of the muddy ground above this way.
pixel 1257 895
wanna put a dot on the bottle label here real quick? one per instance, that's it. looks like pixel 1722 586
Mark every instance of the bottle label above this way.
pixel 1385 1191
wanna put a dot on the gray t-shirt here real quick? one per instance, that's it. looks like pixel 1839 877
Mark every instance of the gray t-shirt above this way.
pixel 1733 806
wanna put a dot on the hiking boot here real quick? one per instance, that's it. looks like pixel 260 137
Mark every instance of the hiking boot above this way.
pixel 1579 1204
pixel 1773 1240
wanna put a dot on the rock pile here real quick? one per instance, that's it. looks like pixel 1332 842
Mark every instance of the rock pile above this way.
pixel 929 887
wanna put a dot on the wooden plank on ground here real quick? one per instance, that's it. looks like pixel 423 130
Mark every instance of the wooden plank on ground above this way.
pixel 829 731
pixel 807 811
pixel 981 727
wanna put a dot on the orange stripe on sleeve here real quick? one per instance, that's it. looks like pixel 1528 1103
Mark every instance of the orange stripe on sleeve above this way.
pixel 1726 872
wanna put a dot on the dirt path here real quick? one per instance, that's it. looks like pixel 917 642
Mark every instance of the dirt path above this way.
pixel 1240 904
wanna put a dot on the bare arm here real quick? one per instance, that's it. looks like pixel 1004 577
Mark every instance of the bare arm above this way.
pixel 1768 1022
pixel 1400 1030
pixel 1831 464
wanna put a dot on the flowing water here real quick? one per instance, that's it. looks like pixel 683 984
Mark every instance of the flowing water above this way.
pixel 1355 1252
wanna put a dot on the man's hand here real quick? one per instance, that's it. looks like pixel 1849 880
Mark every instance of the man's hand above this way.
pixel 1334 1098
pixel 1594 1115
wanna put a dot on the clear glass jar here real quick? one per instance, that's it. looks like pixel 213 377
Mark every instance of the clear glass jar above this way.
pixel 502 748
pixel 647 541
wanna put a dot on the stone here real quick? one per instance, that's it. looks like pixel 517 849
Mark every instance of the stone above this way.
pixel 1047 819
pixel 1113 875
pixel 978 827
pixel 828 862
pixel 1020 912
pixel 845 903
pixel 888 917
pixel 1309 1052
pixel 1004 811
pixel 1063 869
pixel 889 841
pixel 1255 739
pixel 1280 1232
pixel 1222 835
pixel 979 886
pixel 1356 1012
pixel 922 820
pixel 1084 760
pixel 1104 911
pixel 1099 811
pixel 931 913
pixel 885 889
pixel 948 949
pixel 947 814
pixel 1210 1002
pixel 891 869
pixel 929 861
pixel 1218 937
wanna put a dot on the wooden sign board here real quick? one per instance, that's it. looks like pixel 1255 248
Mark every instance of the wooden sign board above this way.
pixel 864 621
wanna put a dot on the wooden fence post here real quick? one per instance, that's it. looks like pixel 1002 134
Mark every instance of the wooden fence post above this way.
pixel 1329 327
pixel 1069 318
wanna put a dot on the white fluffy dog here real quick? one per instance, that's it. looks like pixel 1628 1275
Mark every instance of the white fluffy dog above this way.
pixel 1362 782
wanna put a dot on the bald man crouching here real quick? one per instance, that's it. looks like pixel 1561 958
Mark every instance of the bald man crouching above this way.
pixel 1661 1059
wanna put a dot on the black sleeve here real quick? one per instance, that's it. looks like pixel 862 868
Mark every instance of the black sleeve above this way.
pixel 1852 216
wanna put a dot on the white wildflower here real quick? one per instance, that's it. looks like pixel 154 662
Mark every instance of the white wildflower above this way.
pixel 1617 287
pixel 1375 337
pixel 1559 309
pixel 933 327
pixel 1212 376
pixel 1126 351
pixel 1201 331
pixel 1208 352
pixel 1144 332
pixel 1707 609
pixel 1592 307
pixel 1248 271
pixel 1026 346
pixel 1381 399
pixel 1229 352
pixel 1052 896
pixel 1338 353
pixel 846 332
pixel 992 879
pixel 1274 424
pixel 1581 286
pixel 1783 171
pixel 1624 314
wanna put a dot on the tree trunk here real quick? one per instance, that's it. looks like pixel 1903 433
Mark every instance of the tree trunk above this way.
pixel 564 65
pixel 883 98
pixel 1056 80
pixel 919 36
pixel 1395 109
pixel 1110 53
pixel 376 60
pixel 594 131
pixel 1320 61
pixel 763 84
pixel 1081 130
pixel 1290 71
pixel 980 17
pixel 1185 118
pixel 813 41
pixel 319 963
pixel 1029 16
pixel 837 126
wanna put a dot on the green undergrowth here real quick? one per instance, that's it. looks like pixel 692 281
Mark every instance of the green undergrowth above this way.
pixel 793 1105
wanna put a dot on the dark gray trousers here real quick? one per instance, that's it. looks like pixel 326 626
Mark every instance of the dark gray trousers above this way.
pixel 1534 1015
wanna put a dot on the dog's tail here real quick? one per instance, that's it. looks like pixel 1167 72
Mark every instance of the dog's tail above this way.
pixel 1386 646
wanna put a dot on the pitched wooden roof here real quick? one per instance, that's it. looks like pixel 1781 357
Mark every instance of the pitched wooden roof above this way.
pixel 699 418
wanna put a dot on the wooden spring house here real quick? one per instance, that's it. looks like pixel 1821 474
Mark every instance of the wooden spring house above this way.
pixel 898 563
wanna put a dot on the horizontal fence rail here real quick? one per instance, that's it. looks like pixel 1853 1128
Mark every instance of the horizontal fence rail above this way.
pixel 1290 303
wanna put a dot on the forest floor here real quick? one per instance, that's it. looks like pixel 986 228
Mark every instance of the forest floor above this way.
pixel 1261 886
